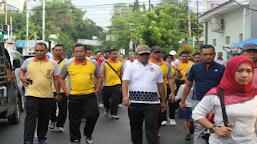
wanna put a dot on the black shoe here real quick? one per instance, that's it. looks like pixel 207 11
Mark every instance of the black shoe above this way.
pixel 28 142
pixel 191 128
pixel 188 137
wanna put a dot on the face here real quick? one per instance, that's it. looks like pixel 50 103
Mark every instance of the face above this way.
pixel 88 53
pixel 113 55
pixel 244 73
pixel 219 55
pixel 79 53
pixel 169 59
pixel 40 52
pixel 132 58
pixel 156 55
pixel 58 51
pixel 197 58
pixel 143 58
pixel 208 55
pixel 107 54
pixel 125 58
pixel 101 58
pixel 184 57
pixel 252 54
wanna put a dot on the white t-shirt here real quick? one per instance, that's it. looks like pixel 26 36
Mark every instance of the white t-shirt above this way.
pixel 189 102
pixel 173 62
pixel 143 82
pixel 243 115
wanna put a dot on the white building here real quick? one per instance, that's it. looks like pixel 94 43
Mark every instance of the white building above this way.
pixel 230 22
pixel 13 5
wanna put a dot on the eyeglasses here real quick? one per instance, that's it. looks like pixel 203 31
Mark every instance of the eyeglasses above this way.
pixel 144 54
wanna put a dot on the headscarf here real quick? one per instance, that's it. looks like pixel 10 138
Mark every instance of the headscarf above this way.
pixel 98 59
pixel 234 92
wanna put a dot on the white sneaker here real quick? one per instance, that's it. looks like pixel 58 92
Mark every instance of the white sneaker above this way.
pixel 89 140
pixel 172 122
pixel 52 125
pixel 115 117
pixel 60 129
pixel 106 112
pixel 119 105
pixel 164 123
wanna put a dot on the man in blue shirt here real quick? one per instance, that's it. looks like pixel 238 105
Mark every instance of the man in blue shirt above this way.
pixel 206 74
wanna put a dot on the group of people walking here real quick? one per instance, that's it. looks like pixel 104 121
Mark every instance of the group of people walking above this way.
pixel 145 83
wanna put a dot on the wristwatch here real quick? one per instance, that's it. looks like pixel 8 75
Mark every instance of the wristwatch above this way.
pixel 212 129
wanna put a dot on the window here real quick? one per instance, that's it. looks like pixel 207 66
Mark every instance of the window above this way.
pixel 227 40
pixel 214 42
pixel 240 37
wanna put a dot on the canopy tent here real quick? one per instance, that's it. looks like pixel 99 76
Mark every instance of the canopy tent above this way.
pixel 241 44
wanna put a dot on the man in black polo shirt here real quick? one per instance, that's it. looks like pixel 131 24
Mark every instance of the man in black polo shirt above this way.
pixel 206 74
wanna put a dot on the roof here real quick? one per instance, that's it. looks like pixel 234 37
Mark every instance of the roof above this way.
pixel 221 9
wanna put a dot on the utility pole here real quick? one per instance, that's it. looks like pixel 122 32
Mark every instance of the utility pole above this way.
pixel 149 5
pixel 188 19
pixel 27 28
pixel 197 23
pixel 43 22
pixel 5 18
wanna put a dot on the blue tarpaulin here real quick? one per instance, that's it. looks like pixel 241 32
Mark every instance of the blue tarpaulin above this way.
pixel 241 44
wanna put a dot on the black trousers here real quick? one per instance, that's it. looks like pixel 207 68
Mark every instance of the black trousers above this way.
pixel 137 114
pixel 37 111
pixel 111 98
pixel 62 105
pixel 79 104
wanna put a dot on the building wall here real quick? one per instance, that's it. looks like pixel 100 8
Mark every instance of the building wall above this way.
pixel 14 4
pixel 233 28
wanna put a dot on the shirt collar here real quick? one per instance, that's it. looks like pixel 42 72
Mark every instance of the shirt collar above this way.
pixel 109 61
pixel 57 59
pixel 161 63
pixel 45 60
pixel 184 62
pixel 83 63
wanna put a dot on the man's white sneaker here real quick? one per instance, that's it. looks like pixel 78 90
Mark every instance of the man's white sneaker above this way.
pixel 60 129
pixel 172 122
pixel 89 140
pixel 115 117
pixel 106 112
pixel 164 123
pixel 52 125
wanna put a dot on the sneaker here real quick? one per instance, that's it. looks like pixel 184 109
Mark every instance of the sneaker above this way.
pixel 115 117
pixel 106 112
pixel 191 128
pixel 28 142
pixel 60 129
pixel 89 140
pixel 120 105
pixel 52 125
pixel 100 106
pixel 172 122
pixel 188 137
pixel 164 123
pixel 76 142
pixel 42 141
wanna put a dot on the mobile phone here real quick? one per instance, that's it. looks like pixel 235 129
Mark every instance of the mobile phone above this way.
pixel 30 81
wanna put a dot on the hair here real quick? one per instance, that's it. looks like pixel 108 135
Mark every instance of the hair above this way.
pixel 59 45
pixel 79 45
pixel 166 56
pixel 88 48
pixel 197 54
pixel 220 53
pixel 207 47
pixel 97 52
pixel 41 44
pixel 184 52
pixel 132 54
pixel 106 51
pixel 113 50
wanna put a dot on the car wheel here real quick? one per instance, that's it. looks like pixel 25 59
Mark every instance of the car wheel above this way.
pixel 15 117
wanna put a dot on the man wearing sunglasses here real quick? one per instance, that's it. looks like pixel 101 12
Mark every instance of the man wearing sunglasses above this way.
pixel 142 84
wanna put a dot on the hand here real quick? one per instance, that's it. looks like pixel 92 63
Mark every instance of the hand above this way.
pixel 25 81
pixel 126 101
pixel 183 106
pixel 67 93
pixel 223 131
pixel 163 106
pixel 172 97
pixel 58 98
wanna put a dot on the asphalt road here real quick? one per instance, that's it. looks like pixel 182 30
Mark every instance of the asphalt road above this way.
pixel 107 131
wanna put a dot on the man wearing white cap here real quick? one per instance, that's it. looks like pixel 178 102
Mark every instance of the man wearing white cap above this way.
pixel 174 60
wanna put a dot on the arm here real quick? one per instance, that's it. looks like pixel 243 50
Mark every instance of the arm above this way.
pixel 126 100
pixel 23 78
pixel 162 94
pixel 63 86
pixel 57 87
pixel 99 83
pixel 171 83
pixel 185 94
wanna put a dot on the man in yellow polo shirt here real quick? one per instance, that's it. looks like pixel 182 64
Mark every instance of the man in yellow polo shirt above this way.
pixel 112 71
pixel 39 70
pixel 82 72
pixel 59 121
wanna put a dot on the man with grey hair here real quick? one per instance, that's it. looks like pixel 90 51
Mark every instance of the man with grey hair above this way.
pixel 141 86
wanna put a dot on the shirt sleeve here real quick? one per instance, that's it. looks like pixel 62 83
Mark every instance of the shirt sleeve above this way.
pixel 127 72
pixel 160 77
pixel 25 63
pixel 169 75
pixel 180 92
pixel 190 76
pixel 56 68
pixel 97 71
pixel 204 107
pixel 102 67
pixel 122 68
pixel 63 74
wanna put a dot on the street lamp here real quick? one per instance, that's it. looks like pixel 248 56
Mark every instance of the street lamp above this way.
pixel 131 43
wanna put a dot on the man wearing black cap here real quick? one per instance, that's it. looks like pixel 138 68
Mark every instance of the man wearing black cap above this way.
pixel 250 50
pixel 142 84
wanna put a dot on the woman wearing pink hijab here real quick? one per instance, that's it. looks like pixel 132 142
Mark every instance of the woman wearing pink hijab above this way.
pixel 240 103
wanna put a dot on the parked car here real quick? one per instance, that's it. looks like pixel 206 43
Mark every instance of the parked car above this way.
pixel 10 95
